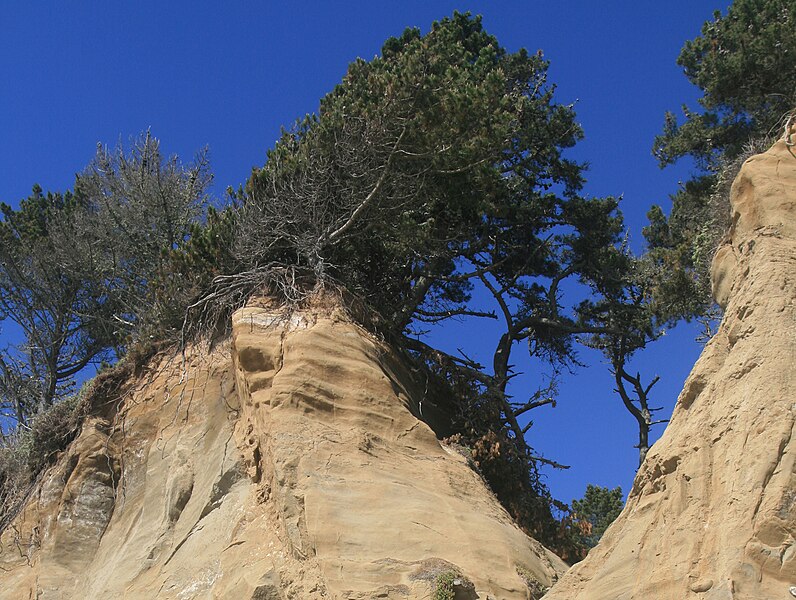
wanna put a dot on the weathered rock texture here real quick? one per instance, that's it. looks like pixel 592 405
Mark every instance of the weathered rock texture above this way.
pixel 294 463
pixel 712 512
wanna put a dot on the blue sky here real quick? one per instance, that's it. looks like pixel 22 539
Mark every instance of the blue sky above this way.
pixel 229 75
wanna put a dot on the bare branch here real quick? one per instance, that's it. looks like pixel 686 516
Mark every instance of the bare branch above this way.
pixel 426 315
pixel 332 237
pixel 524 408
pixel 547 461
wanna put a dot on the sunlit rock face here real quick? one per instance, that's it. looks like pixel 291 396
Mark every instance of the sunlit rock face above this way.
pixel 712 512
pixel 292 462
pixel 363 488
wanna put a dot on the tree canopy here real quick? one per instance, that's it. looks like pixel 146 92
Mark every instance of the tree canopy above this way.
pixel 443 153
pixel 435 169
pixel 599 507
pixel 50 290
pixel 81 273
pixel 744 63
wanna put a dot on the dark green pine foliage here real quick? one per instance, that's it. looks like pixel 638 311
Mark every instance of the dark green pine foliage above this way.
pixel 441 157
pixel 744 63
pixel 50 289
pixel 599 507
pixel 191 267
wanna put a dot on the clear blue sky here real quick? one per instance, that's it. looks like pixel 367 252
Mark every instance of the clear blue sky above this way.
pixel 229 74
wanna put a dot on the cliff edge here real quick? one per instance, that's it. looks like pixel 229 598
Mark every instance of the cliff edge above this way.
pixel 712 511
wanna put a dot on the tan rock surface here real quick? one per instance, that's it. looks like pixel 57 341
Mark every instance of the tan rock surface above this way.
pixel 290 464
pixel 712 512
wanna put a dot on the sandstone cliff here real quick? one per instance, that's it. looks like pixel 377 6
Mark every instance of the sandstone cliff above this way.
pixel 712 512
pixel 296 462
pixel 292 463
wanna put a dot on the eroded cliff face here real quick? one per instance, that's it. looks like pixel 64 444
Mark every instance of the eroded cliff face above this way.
pixel 712 512
pixel 292 463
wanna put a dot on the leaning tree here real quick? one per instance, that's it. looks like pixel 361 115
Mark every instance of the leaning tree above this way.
pixel 430 171
pixel 52 294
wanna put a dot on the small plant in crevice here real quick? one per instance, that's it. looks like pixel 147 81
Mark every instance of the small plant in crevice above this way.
pixel 446 584
pixel 444 578
pixel 444 589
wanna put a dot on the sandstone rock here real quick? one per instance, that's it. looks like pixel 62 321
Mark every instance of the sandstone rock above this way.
pixel 712 511
pixel 292 463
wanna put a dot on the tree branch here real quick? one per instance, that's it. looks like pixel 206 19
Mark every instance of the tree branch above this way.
pixel 335 235
pixel 547 461
pixel 429 315
pixel 524 408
